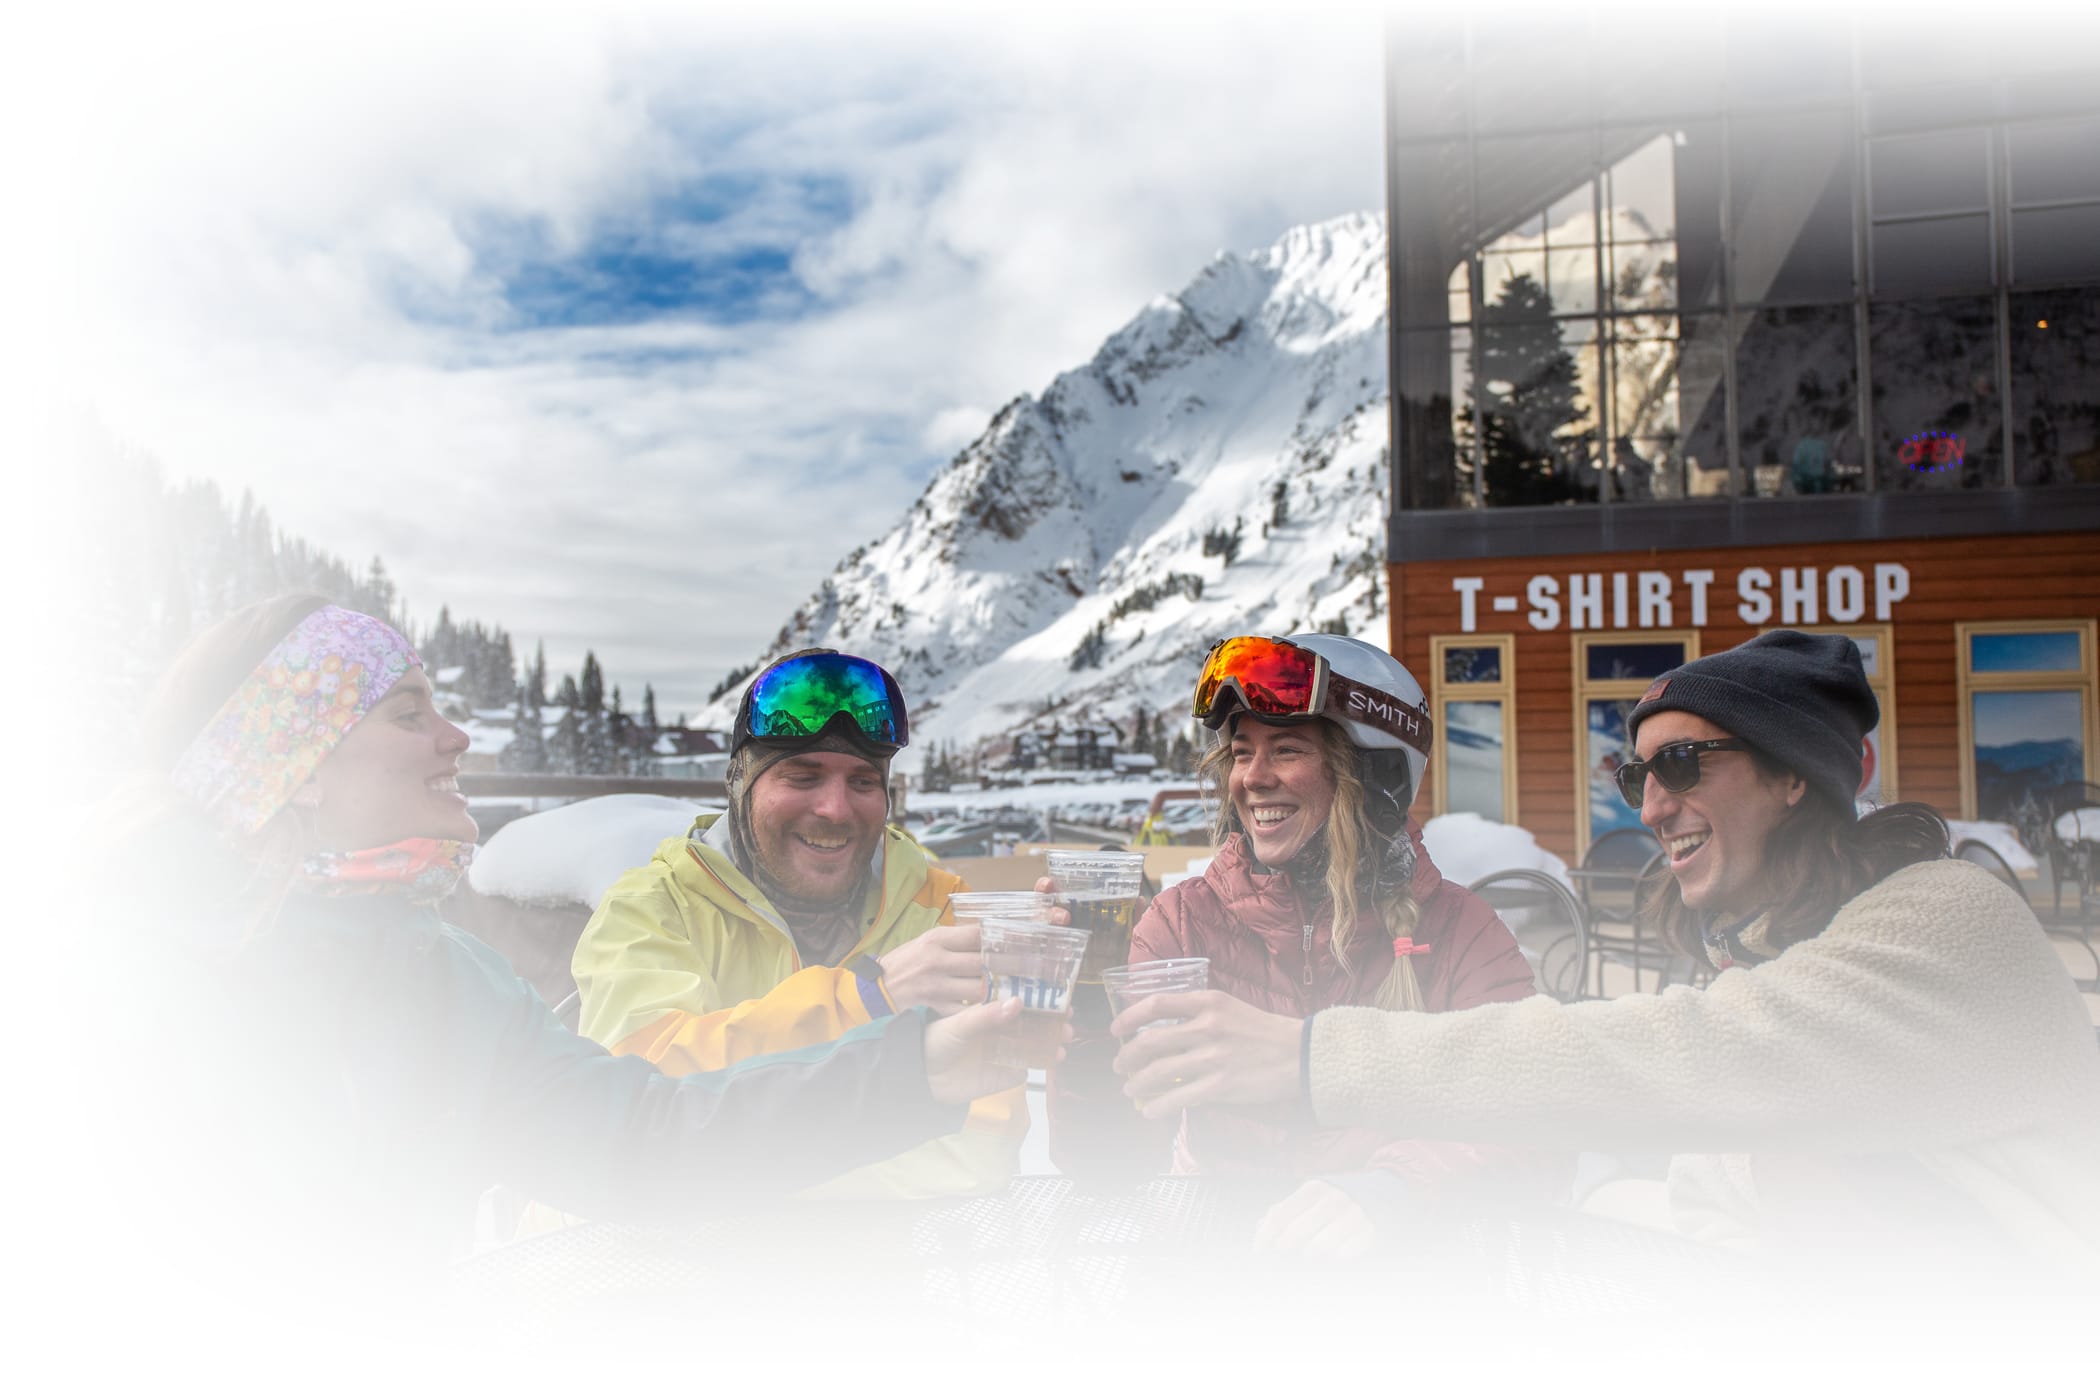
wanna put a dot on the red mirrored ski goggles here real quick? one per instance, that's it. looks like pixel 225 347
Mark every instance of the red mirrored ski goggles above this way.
pixel 1276 679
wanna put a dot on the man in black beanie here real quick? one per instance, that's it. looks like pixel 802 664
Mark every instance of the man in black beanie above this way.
pixel 1800 698
pixel 796 915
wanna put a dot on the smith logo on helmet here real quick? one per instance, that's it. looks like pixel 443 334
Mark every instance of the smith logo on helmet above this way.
pixel 1387 713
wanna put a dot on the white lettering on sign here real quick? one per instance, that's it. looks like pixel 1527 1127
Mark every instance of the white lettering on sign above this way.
pixel 1696 580
pixel 1754 587
pixel 1468 590
pixel 1891 586
pixel 1848 594
pixel 1804 596
pixel 1543 593
pixel 1655 599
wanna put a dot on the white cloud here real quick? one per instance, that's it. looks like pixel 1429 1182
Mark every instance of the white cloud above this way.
pixel 291 238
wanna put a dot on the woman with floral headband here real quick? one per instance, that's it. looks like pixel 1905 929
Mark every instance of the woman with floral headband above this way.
pixel 343 1074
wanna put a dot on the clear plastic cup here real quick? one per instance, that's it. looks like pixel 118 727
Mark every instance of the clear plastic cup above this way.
pixel 975 906
pixel 1132 983
pixel 1100 891
pixel 1038 963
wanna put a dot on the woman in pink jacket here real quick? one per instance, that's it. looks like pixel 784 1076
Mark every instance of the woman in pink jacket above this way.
pixel 1320 895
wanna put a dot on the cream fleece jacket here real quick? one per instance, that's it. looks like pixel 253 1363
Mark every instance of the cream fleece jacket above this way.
pixel 1928 1036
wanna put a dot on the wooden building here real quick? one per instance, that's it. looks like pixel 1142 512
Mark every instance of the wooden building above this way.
pixel 1689 342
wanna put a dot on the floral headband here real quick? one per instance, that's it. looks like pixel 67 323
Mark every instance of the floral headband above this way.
pixel 273 732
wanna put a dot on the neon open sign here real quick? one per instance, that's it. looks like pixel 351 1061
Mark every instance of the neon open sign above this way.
pixel 1931 452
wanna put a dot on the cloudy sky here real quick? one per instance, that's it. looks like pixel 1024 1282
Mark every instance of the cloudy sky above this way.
pixel 620 330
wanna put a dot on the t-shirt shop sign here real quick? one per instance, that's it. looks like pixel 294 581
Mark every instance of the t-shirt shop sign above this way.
pixel 1647 599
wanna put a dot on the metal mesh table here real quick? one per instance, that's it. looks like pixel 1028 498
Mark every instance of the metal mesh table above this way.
pixel 1053 1247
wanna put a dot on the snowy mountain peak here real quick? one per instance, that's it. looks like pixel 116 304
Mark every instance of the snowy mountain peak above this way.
pixel 1217 467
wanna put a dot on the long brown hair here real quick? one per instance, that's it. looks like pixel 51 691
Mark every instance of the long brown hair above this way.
pixel 1815 860
pixel 1354 842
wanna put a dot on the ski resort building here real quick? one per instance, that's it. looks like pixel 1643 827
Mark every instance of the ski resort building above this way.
pixel 1699 330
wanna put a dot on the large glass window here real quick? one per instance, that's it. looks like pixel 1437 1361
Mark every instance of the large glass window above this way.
pixel 1790 181
pixel 1624 293
pixel 2055 202
pixel 1797 383
pixel 1938 421
pixel 1474 691
pixel 2026 713
pixel 1931 200
pixel 1435 389
pixel 2055 385
pixel 1612 669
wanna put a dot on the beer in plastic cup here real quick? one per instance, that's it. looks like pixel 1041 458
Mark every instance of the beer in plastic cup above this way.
pixel 1038 963
pixel 1100 891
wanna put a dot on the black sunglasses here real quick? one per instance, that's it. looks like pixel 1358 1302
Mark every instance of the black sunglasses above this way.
pixel 1675 766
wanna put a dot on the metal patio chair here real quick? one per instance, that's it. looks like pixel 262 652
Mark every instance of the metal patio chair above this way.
pixel 1610 881
pixel 1548 922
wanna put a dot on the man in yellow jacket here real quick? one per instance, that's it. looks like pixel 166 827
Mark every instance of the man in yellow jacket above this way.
pixel 797 915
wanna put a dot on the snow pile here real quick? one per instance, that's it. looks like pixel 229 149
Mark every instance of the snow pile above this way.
pixel 1466 846
pixel 576 852
pixel 2000 837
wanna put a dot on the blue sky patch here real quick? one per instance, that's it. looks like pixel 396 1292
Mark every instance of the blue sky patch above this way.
pixel 721 250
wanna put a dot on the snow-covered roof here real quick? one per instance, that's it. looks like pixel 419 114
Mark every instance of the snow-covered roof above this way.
pixel 576 852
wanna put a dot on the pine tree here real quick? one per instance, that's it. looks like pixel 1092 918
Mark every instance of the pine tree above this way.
pixel 441 647
pixel 527 751
pixel 648 720
pixel 593 690
pixel 598 754
pixel 500 670
pixel 376 594
pixel 1527 397
pixel 565 752
pixel 567 697
pixel 536 679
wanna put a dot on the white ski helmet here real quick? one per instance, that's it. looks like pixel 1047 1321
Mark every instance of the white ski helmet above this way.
pixel 1368 665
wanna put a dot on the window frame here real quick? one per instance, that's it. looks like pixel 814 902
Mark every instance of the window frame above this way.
pixel 1883 685
pixel 1585 690
pixel 1504 691
pixel 1969 684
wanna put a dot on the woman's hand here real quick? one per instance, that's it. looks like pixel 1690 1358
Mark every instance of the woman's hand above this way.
pixel 959 1068
pixel 1224 1051
pixel 1057 913
pixel 1317 1221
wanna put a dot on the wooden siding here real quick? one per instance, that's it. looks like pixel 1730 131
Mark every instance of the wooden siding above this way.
pixel 2047 576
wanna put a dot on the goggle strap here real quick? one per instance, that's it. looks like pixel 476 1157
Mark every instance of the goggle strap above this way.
pixel 1410 724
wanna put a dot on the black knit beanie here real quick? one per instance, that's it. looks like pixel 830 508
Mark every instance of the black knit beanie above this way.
pixel 1801 698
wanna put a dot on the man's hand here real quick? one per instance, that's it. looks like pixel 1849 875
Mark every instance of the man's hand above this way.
pixel 1224 1051
pixel 959 1068
pixel 1317 1221
pixel 943 968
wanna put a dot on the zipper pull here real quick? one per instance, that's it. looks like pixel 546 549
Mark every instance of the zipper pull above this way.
pixel 1308 955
